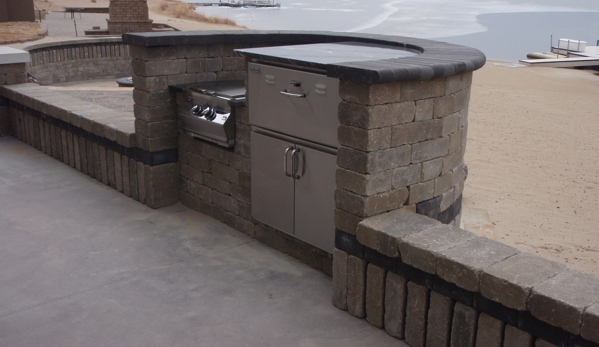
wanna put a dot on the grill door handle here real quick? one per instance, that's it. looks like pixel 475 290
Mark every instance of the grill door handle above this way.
pixel 294 162
pixel 293 95
pixel 285 162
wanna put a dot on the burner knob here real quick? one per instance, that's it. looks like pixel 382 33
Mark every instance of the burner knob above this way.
pixel 196 110
pixel 209 113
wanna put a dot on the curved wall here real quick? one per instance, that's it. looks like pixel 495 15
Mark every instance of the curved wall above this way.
pixel 78 60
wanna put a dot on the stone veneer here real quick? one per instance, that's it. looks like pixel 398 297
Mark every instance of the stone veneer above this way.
pixel 128 16
pixel 402 146
pixel 13 70
pixel 434 284
pixel 78 60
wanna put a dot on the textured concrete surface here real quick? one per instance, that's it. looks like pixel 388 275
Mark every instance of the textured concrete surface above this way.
pixel 83 265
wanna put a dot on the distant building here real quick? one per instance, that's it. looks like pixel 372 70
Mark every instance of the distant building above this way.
pixel 16 11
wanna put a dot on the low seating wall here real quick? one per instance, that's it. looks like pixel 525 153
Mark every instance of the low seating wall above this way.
pixel 437 285
pixel 97 141
pixel 78 60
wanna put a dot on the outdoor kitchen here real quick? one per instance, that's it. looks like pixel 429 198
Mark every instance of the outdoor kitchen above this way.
pixel 344 151
pixel 286 192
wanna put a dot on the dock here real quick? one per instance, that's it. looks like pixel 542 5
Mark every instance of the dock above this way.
pixel 587 56
pixel 242 3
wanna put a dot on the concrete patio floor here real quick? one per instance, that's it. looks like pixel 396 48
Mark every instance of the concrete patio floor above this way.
pixel 83 265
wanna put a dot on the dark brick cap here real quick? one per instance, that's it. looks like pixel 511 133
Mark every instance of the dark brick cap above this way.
pixel 510 281
pixel 436 59
pixel 590 323
pixel 563 299
pixel 463 264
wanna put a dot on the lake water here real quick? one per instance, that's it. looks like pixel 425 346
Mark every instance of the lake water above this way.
pixel 503 30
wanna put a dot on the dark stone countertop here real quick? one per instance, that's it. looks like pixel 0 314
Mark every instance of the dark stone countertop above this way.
pixel 434 59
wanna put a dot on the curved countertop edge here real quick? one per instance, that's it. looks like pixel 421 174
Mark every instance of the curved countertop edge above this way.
pixel 436 59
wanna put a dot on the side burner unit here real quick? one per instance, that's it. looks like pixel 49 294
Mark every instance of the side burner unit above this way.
pixel 207 113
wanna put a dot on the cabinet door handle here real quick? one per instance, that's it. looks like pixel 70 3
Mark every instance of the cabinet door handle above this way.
pixel 293 95
pixel 294 162
pixel 285 162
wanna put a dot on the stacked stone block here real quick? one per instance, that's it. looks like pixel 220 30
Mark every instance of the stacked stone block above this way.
pixel 14 73
pixel 402 145
pixel 92 139
pixel 201 164
pixel 449 287
pixel 79 60
pixel 128 16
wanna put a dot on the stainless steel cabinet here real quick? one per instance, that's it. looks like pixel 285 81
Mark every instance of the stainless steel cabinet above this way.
pixel 293 187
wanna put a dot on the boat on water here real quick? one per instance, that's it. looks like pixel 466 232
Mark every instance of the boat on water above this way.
pixel 567 53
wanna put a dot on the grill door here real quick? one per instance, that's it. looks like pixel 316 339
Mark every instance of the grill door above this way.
pixel 272 190
pixel 315 198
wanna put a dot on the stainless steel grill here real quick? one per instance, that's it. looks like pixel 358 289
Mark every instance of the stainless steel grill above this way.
pixel 208 114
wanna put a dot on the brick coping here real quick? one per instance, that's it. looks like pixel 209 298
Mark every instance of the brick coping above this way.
pixel 68 42
pixel 436 59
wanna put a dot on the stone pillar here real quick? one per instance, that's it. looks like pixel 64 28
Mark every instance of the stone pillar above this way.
pixel 13 70
pixel 16 11
pixel 402 145
pixel 128 16
pixel 155 123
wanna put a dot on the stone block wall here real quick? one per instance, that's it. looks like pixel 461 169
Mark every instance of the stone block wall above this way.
pixel 92 139
pixel 79 60
pixel 402 146
pixel 14 73
pixel 16 11
pixel 213 180
pixel 128 16
pixel 434 284
pixel 154 69
pixel 401 143
pixel 96 140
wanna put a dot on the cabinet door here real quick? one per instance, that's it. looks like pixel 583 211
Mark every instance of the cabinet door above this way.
pixel 272 190
pixel 315 198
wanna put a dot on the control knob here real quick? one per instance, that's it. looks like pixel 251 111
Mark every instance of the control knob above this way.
pixel 196 110
pixel 208 113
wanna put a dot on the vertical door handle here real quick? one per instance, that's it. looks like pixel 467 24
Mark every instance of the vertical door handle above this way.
pixel 294 162
pixel 285 162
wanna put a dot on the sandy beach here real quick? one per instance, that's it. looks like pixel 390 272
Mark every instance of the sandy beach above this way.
pixel 532 149
pixel 531 153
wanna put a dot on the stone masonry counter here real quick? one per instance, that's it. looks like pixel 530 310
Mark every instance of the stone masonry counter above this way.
pixel 436 59
pixel 402 129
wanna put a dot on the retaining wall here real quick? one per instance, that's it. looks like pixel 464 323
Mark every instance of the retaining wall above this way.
pixel 12 71
pixel 437 285
pixel 78 60
pixel 98 141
